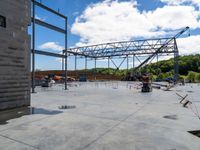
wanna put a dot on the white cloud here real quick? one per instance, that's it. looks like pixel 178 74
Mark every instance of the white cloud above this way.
pixel 189 45
pixel 174 17
pixel 180 2
pixel 39 18
pixel 102 60
pixel 51 46
pixel 60 60
pixel 111 20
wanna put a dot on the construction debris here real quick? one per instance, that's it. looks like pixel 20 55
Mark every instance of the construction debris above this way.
pixel 188 104
pixel 173 117
pixel 67 107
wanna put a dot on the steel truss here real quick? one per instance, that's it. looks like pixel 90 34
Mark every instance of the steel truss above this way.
pixel 139 47
pixel 148 47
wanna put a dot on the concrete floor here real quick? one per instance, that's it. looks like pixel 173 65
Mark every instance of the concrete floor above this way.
pixel 108 116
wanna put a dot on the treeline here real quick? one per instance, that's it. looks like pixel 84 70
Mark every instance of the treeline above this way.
pixel 186 64
pixel 193 77
pixel 189 68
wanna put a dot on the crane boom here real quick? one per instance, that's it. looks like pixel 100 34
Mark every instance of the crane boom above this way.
pixel 162 47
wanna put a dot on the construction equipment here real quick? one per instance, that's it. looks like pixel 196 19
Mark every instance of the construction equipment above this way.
pixel 146 83
pixel 47 82
pixel 161 48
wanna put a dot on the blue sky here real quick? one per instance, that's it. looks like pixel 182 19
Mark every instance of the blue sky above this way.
pixel 97 21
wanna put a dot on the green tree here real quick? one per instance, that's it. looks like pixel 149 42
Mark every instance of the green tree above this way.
pixel 197 77
pixel 191 76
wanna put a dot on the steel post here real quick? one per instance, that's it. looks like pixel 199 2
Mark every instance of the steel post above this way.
pixel 95 71
pixel 66 53
pixel 176 60
pixel 33 47
pixel 75 67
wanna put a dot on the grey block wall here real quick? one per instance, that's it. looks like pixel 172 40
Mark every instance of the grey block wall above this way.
pixel 15 54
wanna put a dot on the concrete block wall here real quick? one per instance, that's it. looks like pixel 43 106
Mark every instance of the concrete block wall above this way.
pixel 15 54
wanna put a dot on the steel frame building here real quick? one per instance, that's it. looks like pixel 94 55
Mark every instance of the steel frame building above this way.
pixel 150 48
pixel 147 47
pixel 51 27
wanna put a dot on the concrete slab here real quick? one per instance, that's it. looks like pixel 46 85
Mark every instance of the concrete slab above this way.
pixel 108 115
pixel 12 144
pixel 61 131
pixel 142 136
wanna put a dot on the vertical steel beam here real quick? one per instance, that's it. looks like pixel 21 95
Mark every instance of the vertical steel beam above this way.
pixel 108 65
pixel 133 64
pixel 63 62
pixel 127 64
pixel 33 47
pixel 66 53
pixel 176 60
pixel 157 58
pixel 86 66
pixel 75 67
pixel 95 69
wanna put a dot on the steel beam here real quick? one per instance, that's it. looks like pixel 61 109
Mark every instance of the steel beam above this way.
pixel 45 53
pixel 50 26
pixel 49 9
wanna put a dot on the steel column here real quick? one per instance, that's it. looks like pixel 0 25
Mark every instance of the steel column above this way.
pixel 86 66
pixel 108 65
pixel 176 59
pixel 66 54
pixel 157 57
pixel 75 67
pixel 95 69
pixel 63 62
pixel 33 47
pixel 127 64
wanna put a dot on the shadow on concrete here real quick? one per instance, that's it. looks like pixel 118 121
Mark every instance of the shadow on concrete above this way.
pixel 7 115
